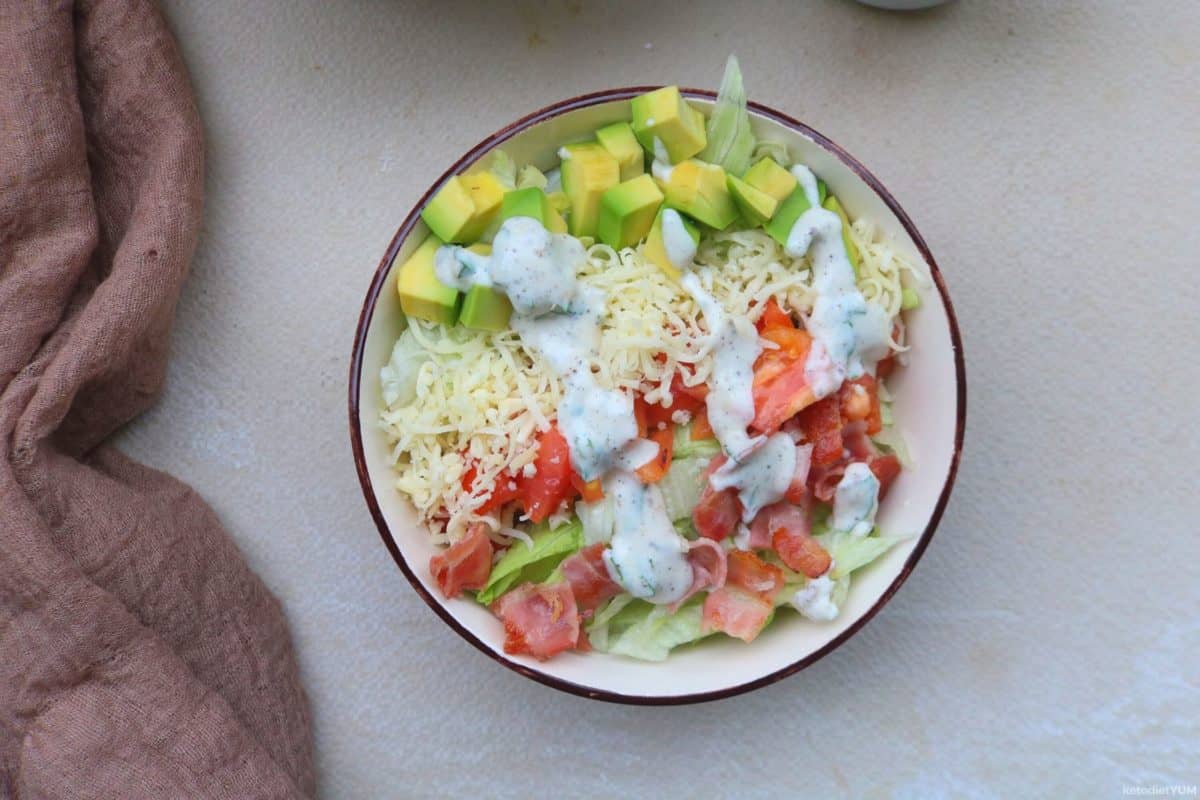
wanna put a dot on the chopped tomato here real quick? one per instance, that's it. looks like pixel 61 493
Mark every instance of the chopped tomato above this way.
pixel 591 491
pixel 781 398
pixel 774 317
pixel 885 367
pixel 859 401
pixel 589 579
pixel 821 424
pixel 701 429
pixel 466 564
pixel 652 416
pixel 654 470
pixel 886 469
pixel 716 513
pixel 792 343
pixel 749 572
pixel 698 393
pixel 539 620
pixel 736 612
pixel 544 491
pixel 506 490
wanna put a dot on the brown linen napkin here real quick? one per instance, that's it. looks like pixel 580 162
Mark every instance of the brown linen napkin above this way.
pixel 139 656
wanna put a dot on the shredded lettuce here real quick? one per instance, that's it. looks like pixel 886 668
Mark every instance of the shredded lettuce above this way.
pixel 504 168
pixel 730 139
pixel 852 552
pixel 531 176
pixel 398 378
pixel 534 563
pixel 597 518
pixel 893 440
pixel 645 631
pixel 684 447
pixel 681 486
pixel 775 150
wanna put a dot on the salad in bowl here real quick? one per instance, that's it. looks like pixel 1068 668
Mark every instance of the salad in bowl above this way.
pixel 642 394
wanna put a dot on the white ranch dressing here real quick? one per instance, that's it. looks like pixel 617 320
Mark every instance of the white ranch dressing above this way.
pixel 762 478
pixel 815 599
pixel 855 501
pixel 734 344
pixel 679 244
pixel 646 555
pixel 849 334
pixel 660 167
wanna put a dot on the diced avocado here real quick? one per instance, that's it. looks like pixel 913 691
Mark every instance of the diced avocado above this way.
pixel 529 202
pixel 770 178
pixel 757 207
pixel 699 190
pixel 655 249
pixel 422 295
pixel 619 140
pixel 463 208
pixel 833 205
pixel 588 171
pixel 485 308
pixel 627 211
pixel 789 211
pixel 664 115
pixel 909 299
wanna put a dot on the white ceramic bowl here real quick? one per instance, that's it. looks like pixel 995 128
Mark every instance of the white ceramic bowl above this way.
pixel 930 410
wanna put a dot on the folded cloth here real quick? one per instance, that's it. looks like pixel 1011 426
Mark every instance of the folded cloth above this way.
pixel 139 656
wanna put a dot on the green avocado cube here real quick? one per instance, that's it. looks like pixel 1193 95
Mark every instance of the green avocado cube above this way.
pixel 757 207
pixel 699 190
pixel 664 115
pixel 619 140
pixel 485 308
pixel 530 202
pixel 422 295
pixel 790 210
pixel 769 177
pixel 464 207
pixel 831 203
pixel 627 211
pixel 588 171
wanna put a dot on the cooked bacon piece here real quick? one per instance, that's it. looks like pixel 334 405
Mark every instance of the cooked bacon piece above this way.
pixel 801 552
pixel 707 559
pixel 823 481
pixel 748 571
pixel 539 620
pixel 886 469
pixel 736 612
pixel 798 488
pixel 466 564
pixel 716 513
pixel 774 517
pixel 589 579
pixel 821 424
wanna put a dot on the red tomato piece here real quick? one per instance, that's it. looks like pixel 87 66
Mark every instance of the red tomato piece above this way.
pixel 859 401
pixel 544 491
pixel 591 491
pixel 781 398
pixel 654 470
pixel 886 469
pixel 701 429
pixel 774 317
pixel 821 424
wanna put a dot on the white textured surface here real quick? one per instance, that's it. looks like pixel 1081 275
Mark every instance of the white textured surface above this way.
pixel 1048 644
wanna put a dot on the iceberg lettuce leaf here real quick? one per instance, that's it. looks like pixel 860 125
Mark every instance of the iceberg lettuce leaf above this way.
pixel 534 563
pixel 730 140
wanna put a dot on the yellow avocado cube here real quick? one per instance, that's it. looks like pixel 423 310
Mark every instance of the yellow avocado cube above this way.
pixel 700 190
pixel 627 211
pixel 619 140
pixel 464 207
pixel 664 115
pixel 422 295
pixel 588 171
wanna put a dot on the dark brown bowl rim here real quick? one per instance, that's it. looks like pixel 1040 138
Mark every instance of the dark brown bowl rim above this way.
pixel 356 365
